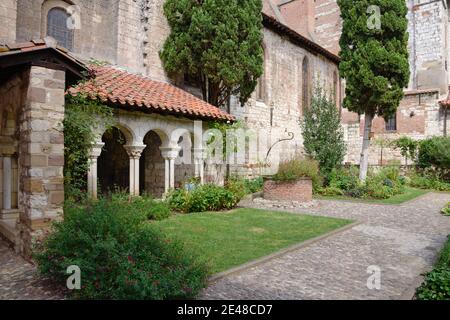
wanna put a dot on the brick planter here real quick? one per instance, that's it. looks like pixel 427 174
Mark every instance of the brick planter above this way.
pixel 300 190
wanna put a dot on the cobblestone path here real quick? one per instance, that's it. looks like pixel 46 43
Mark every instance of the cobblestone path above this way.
pixel 403 241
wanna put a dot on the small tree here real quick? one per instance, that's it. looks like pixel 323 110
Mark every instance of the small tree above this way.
pixel 217 44
pixel 322 132
pixel 407 146
pixel 374 60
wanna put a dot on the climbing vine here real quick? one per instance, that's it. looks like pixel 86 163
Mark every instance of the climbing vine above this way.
pixel 83 116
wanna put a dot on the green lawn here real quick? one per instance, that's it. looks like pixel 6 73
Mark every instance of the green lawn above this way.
pixel 410 194
pixel 229 239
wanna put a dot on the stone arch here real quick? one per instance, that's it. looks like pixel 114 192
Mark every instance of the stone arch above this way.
pixel 69 8
pixel 152 166
pixel 113 162
pixel 129 134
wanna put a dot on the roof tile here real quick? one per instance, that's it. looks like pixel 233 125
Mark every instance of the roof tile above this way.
pixel 130 90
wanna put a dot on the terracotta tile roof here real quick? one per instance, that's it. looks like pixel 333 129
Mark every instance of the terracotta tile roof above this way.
pixel 134 92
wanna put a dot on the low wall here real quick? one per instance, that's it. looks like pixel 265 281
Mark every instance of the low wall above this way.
pixel 300 190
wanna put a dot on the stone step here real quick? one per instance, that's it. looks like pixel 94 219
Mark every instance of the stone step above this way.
pixel 8 230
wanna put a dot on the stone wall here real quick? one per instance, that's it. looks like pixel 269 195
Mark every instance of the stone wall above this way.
pixel 418 117
pixel 328 24
pixel 281 109
pixel 41 154
pixel 8 14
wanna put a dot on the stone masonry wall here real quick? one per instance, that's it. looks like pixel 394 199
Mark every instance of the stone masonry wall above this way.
pixel 283 82
pixel 8 14
pixel 42 154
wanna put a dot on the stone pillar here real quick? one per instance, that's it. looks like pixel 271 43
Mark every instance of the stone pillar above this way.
pixel 169 155
pixel 199 163
pixel 7 182
pixel 134 152
pixel 92 173
pixel 41 154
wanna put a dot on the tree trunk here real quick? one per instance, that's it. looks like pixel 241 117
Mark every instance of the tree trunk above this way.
pixel 364 162
pixel 445 121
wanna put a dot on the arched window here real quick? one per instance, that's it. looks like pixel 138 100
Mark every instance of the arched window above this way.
pixel 336 88
pixel 305 83
pixel 261 87
pixel 57 27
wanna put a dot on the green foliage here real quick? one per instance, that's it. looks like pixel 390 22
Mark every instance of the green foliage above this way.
pixel 374 61
pixel 322 132
pixel 407 146
pixel 120 256
pixel 437 282
pixel 82 117
pixel 380 185
pixel 446 210
pixel 298 168
pixel 217 43
pixel 428 179
pixel 150 208
pixel 254 185
pixel 207 197
pixel 434 153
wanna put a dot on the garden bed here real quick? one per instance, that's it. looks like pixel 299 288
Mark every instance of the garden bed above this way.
pixel 408 195
pixel 227 240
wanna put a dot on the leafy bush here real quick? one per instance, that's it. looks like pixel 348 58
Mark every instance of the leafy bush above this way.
pixel 379 185
pixel 297 168
pixel 428 179
pixel 207 197
pixel 331 191
pixel 434 153
pixel 119 256
pixel 150 208
pixel 407 146
pixel 253 186
pixel 437 282
pixel 446 210
pixel 322 131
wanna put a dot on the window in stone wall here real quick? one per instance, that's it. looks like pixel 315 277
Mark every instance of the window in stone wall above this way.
pixel 57 27
pixel 261 87
pixel 305 83
pixel 391 124
pixel 336 88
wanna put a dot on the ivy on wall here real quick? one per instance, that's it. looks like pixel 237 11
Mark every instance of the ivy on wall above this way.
pixel 83 117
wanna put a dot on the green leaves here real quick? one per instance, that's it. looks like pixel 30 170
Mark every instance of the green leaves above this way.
pixel 374 61
pixel 217 42
pixel 322 132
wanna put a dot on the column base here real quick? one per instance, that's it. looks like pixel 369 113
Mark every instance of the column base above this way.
pixel 9 214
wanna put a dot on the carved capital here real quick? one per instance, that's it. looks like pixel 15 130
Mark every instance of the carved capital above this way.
pixel 134 152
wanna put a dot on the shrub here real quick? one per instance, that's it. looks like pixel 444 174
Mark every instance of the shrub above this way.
pixel 322 131
pixel 428 179
pixel 296 168
pixel 446 210
pixel 119 256
pixel 385 183
pixel 207 197
pixel 331 191
pixel 253 186
pixel 437 282
pixel 345 179
pixel 434 153
pixel 152 209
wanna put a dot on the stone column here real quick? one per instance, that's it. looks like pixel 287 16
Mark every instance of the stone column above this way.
pixel 92 173
pixel 169 155
pixel 199 162
pixel 7 182
pixel 134 152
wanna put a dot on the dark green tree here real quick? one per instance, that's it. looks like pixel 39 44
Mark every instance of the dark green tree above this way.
pixel 217 44
pixel 322 132
pixel 374 60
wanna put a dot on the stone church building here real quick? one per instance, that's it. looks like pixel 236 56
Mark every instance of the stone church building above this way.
pixel 48 46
